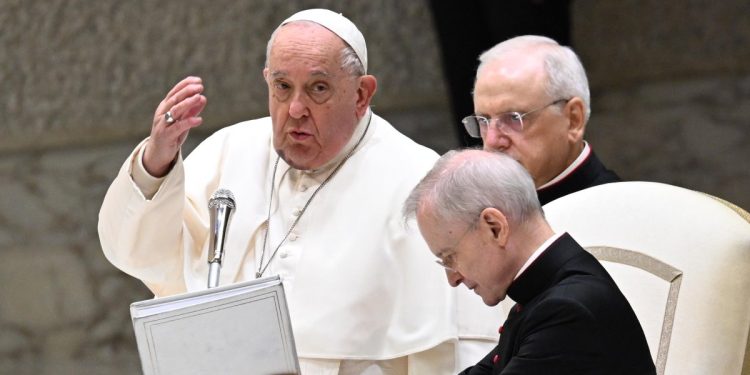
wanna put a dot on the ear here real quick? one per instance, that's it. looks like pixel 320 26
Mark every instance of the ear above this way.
pixel 367 86
pixel 575 111
pixel 496 223
pixel 265 74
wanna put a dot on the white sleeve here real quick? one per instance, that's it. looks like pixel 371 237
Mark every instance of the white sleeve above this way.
pixel 148 184
pixel 150 238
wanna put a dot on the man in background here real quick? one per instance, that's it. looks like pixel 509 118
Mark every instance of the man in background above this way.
pixel 532 102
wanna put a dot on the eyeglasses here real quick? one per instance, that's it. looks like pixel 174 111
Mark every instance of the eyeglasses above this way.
pixel 449 261
pixel 476 125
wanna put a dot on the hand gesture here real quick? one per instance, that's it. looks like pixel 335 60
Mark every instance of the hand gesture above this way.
pixel 175 116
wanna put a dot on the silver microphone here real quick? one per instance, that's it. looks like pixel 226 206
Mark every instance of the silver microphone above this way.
pixel 220 208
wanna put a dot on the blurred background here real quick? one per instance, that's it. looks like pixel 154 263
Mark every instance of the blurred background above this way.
pixel 81 79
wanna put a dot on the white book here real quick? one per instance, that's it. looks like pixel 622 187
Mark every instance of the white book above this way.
pixel 241 328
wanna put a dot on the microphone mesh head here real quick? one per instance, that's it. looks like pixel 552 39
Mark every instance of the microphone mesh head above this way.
pixel 221 196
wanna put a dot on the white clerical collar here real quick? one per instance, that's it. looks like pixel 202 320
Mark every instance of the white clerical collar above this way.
pixel 579 160
pixel 537 253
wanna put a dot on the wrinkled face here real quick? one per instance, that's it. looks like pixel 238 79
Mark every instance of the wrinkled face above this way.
pixel 544 147
pixel 474 258
pixel 312 100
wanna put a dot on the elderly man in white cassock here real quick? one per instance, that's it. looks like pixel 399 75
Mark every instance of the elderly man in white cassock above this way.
pixel 318 187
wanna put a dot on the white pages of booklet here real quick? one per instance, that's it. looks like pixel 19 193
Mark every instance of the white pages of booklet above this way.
pixel 241 328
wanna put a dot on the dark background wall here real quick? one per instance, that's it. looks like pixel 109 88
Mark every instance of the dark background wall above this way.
pixel 81 79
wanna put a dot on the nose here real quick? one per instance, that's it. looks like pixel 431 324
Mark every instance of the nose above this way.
pixel 298 106
pixel 495 139
pixel 454 277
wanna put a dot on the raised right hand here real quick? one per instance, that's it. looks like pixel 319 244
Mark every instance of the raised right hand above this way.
pixel 185 102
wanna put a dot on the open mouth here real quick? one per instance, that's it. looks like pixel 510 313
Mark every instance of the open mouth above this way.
pixel 299 135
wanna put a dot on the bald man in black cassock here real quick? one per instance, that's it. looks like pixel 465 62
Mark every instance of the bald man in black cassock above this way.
pixel 479 214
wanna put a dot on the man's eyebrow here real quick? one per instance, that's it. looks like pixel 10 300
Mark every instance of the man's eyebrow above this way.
pixel 495 113
pixel 318 73
pixel 314 73
pixel 278 73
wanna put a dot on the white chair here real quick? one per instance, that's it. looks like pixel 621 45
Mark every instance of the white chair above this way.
pixel 682 258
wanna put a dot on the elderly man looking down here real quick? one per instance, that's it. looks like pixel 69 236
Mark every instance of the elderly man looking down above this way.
pixel 318 187
pixel 480 216
pixel 532 102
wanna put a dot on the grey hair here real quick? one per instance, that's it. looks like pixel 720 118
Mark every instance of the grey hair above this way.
pixel 350 62
pixel 463 183
pixel 566 77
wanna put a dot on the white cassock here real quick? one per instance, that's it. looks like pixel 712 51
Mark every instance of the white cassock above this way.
pixel 364 293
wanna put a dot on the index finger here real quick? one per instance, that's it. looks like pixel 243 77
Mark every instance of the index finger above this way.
pixel 180 85
pixel 184 90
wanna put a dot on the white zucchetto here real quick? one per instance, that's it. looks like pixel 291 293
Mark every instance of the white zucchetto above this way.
pixel 339 25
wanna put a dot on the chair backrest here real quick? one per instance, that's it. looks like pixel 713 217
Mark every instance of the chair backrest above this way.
pixel 682 258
